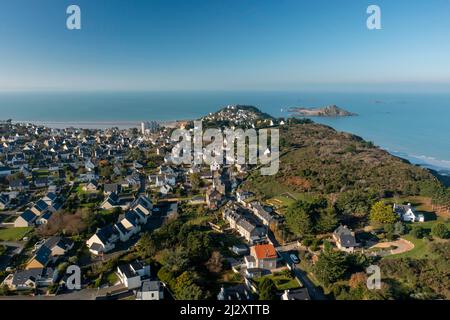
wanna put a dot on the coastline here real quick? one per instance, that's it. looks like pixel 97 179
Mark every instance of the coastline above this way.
pixel 101 125
pixel 441 168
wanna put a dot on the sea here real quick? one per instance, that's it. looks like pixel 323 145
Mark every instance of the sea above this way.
pixel 409 125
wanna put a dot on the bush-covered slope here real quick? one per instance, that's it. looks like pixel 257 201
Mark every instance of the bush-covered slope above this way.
pixel 318 159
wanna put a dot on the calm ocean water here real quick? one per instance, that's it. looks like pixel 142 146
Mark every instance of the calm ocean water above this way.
pixel 413 126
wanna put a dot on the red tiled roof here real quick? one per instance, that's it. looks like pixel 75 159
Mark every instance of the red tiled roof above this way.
pixel 265 251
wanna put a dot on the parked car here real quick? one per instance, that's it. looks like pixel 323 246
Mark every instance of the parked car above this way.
pixel 294 258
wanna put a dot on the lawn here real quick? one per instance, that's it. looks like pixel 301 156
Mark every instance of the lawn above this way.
pixel 282 281
pixel 199 220
pixel 284 200
pixel 112 278
pixel 14 234
pixel 228 277
pixel 421 246
pixel 79 190
pixel 420 251
pixel 41 173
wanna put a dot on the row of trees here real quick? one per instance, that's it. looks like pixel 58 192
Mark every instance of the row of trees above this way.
pixel 333 266
pixel 305 218
pixel 189 262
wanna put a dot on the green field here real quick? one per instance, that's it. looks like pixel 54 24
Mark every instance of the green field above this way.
pixel 284 200
pixel 13 234
pixel 282 281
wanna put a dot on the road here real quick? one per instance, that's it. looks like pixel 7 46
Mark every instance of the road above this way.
pixel 314 292
pixel 84 294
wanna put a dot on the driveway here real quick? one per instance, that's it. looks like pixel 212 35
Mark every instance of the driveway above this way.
pixel 314 292
pixel 401 246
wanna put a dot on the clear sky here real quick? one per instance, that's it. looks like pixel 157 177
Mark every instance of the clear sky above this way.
pixel 225 45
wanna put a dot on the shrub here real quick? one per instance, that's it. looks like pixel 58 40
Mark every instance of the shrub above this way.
pixel 390 236
pixel 440 230
pixel 418 232
pixel 307 241
pixel 267 289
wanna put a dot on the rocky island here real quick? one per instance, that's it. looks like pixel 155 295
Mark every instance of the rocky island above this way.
pixel 328 111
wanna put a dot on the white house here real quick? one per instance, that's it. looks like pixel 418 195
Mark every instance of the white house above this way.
pixel 241 196
pixel 131 275
pixel 103 240
pixel 128 226
pixel 142 205
pixel 407 213
pixel 150 290
pixel 165 189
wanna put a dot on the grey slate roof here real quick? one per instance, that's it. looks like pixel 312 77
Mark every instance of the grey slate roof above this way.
pixel 43 255
pixel 126 270
pixel 298 294
pixel 149 286
pixel 21 277
pixel 345 236
pixel 28 216
pixel 63 243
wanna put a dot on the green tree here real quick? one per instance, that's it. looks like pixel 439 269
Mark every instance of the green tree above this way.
pixel 196 180
pixel 399 228
pixel 267 289
pixel 356 202
pixel 198 245
pixel 176 260
pixel 298 219
pixel 4 290
pixel 418 232
pixel 381 213
pixel 106 171
pixel 440 230
pixel 331 266
pixel 167 276
pixel 145 247
pixel 191 292
pixel 186 288
pixel 328 220
pixel 89 218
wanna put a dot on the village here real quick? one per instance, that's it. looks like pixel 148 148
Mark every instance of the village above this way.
pixel 95 199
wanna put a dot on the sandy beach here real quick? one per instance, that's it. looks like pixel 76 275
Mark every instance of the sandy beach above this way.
pixel 96 124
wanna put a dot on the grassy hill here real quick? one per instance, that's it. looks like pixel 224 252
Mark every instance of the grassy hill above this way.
pixel 317 159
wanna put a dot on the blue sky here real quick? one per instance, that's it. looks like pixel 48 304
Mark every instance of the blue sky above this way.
pixel 225 45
